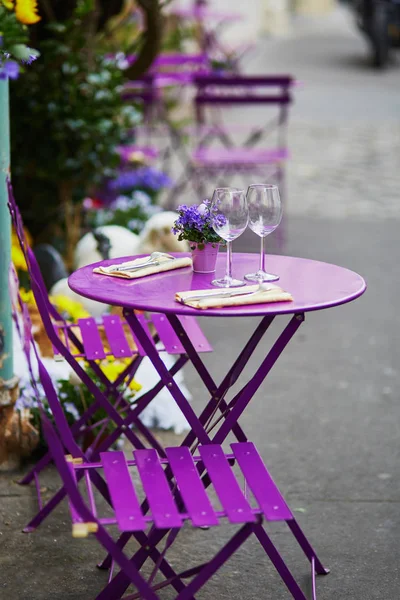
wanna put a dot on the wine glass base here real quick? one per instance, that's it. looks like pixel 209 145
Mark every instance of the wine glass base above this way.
pixel 261 276
pixel 228 282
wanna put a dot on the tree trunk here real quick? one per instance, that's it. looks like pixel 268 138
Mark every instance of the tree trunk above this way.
pixel 72 220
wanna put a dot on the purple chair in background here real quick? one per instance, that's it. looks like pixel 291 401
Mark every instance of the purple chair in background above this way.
pixel 208 24
pixel 174 493
pixel 83 341
pixel 171 73
pixel 224 150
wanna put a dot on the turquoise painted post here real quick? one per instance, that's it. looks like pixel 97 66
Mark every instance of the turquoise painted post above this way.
pixel 6 344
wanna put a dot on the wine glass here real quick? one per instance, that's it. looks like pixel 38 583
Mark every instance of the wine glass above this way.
pixel 265 214
pixel 229 217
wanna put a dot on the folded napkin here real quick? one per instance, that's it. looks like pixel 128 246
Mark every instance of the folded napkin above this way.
pixel 165 264
pixel 273 294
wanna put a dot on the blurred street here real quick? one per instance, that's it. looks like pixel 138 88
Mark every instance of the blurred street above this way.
pixel 327 420
pixel 345 122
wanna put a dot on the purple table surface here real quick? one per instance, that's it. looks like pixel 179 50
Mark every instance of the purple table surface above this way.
pixel 314 285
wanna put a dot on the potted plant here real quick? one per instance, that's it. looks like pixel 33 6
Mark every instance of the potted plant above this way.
pixel 194 224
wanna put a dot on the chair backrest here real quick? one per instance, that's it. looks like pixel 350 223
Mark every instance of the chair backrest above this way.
pixel 38 284
pixel 215 94
pixel 178 61
pixel 47 311
pixel 23 325
pixel 239 89
pixel 212 90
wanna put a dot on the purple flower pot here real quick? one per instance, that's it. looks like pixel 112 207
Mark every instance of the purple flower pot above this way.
pixel 204 257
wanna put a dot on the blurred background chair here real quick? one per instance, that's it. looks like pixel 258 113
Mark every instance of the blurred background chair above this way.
pixel 225 152
pixel 82 345
pixel 166 85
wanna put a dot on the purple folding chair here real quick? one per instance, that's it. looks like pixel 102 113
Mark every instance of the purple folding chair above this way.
pixel 170 73
pixel 224 150
pixel 83 341
pixel 209 24
pixel 174 493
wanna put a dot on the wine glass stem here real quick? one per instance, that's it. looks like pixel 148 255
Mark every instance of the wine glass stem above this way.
pixel 229 260
pixel 262 256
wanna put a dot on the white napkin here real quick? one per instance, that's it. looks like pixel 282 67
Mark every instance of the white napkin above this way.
pixel 165 264
pixel 272 294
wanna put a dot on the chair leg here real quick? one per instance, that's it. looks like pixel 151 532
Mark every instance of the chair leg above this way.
pixel 218 561
pixel 60 495
pixel 279 563
pixel 306 547
pixel 128 568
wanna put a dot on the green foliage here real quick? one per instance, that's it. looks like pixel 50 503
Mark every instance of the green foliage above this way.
pixel 12 31
pixel 75 399
pixel 14 37
pixel 67 117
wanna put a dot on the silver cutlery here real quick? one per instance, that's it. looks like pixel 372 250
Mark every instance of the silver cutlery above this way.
pixel 263 287
pixel 152 261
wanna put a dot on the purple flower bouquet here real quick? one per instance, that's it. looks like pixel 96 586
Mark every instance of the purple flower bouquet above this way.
pixel 194 224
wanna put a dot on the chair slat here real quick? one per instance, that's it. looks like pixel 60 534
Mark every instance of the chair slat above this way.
pixel 162 505
pixel 239 156
pixel 250 80
pixel 172 342
pixel 237 508
pixel 260 482
pixel 116 337
pixel 123 496
pixel 195 334
pixel 217 99
pixel 91 339
pixel 191 488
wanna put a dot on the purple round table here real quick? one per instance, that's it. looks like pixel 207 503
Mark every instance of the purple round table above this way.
pixel 314 285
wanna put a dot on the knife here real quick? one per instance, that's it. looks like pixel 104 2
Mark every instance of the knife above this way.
pixel 227 294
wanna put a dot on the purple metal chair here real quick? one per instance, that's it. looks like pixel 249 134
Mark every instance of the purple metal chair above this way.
pixel 170 73
pixel 175 493
pixel 261 152
pixel 83 341
pixel 209 24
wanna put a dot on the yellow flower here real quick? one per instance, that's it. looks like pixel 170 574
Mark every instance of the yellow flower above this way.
pixel 135 386
pixel 26 11
pixel 74 309
pixel 113 368
pixel 18 258
pixel 27 296
pixel 8 4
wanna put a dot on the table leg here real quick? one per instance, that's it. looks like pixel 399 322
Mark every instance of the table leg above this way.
pixel 230 414
pixel 166 377
pixel 217 401
pixel 246 394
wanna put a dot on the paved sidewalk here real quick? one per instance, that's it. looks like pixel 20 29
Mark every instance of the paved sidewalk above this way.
pixel 344 123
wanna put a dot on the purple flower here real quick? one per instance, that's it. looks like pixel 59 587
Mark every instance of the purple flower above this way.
pixel 31 58
pixel 142 178
pixel 195 223
pixel 10 70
